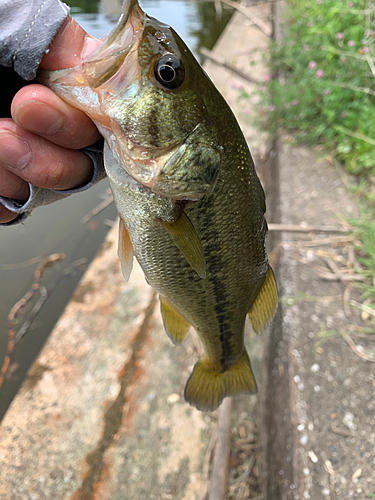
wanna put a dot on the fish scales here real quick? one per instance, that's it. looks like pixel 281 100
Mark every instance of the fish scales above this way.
pixel 190 202
pixel 216 306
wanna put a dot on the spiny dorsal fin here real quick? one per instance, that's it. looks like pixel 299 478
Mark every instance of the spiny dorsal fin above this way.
pixel 187 240
pixel 175 325
pixel 264 307
pixel 125 251
pixel 208 385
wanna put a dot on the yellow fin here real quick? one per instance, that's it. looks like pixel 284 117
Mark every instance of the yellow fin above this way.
pixel 187 240
pixel 125 251
pixel 208 385
pixel 265 304
pixel 175 325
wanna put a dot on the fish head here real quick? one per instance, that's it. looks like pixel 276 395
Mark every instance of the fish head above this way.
pixel 151 101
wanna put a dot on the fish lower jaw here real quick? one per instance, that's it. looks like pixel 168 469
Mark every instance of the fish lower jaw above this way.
pixel 122 178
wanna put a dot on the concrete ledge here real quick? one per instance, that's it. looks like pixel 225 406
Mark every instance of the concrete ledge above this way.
pixel 98 412
pixel 320 396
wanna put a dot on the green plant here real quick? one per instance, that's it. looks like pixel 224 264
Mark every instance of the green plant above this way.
pixel 365 229
pixel 325 90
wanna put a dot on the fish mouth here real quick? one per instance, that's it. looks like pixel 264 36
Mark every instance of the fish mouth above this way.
pixel 110 64
pixel 109 59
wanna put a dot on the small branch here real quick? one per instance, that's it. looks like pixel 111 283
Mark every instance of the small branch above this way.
pixel 21 265
pixel 364 90
pixel 220 469
pixel 217 60
pixel 346 299
pixel 340 432
pixel 331 473
pixel 347 54
pixel 308 229
pixel 363 307
pixel 19 305
pixel 25 327
pixel 346 295
pixel 356 135
pixel 218 9
pixel 16 310
pixel 371 64
pixel 247 472
pixel 259 23
pixel 355 349
pixel 341 277
pixel 206 466
pixel 95 211
pixel 243 479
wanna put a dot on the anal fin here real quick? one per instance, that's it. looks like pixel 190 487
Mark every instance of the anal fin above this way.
pixel 175 325
pixel 187 240
pixel 265 304
pixel 125 251
pixel 208 385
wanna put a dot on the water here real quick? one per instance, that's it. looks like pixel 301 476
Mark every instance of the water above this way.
pixel 58 227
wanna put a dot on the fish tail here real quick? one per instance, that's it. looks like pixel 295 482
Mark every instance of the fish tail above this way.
pixel 208 384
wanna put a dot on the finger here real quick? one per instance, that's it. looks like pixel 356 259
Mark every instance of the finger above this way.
pixel 12 186
pixel 38 110
pixel 38 161
pixel 68 47
pixel 6 215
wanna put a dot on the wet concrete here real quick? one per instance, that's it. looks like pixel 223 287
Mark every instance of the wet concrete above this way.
pixel 99 416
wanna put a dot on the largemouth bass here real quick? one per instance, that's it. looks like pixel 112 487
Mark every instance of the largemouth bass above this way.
pixel 190 203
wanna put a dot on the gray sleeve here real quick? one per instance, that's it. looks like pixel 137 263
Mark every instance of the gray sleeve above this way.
pixel 39 196
pixel 27 27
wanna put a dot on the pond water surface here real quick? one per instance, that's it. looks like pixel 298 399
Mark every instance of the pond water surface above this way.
pixel 58 227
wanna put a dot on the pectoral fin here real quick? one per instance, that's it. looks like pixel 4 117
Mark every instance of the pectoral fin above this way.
pixel 187 240
pixel 264 307
pixel 125 251
pixel 175 325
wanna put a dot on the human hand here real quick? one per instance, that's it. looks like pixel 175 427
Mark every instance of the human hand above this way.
pixel 39 144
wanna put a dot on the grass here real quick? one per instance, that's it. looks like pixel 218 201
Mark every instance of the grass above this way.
pixel 325 94
pixel 326 89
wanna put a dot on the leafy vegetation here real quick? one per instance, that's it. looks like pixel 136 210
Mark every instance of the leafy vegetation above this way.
pixel 323 91
pixel 326 89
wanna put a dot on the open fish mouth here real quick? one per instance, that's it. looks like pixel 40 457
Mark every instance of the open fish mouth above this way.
pixel 104 63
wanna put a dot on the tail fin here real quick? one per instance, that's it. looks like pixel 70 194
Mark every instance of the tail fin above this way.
pixel 207 386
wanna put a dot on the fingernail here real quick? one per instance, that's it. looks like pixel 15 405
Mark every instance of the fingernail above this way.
pixel 38 117
pixel 15 153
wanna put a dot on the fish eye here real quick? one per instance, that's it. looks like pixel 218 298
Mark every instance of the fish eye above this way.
pixel 169 71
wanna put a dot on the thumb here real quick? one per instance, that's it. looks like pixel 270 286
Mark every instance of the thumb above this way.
pixel 69 46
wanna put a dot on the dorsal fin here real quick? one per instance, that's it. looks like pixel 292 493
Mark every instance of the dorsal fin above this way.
pixel 125 250
pixel 265 304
